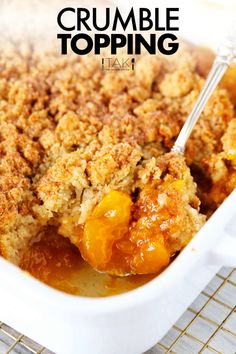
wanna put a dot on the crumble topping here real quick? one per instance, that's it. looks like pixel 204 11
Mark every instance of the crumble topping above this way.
pixel 72 133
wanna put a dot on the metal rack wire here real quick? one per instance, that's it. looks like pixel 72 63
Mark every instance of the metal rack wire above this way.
pixel 208 326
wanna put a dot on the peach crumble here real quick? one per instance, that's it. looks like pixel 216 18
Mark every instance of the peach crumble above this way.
pixel 85 152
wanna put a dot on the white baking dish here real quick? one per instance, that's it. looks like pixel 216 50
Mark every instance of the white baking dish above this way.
pixel 129 323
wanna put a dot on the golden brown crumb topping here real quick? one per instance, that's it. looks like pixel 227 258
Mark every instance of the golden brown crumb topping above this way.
pixel 72 133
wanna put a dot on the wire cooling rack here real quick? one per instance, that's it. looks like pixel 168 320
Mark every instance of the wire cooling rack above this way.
pixel 208 326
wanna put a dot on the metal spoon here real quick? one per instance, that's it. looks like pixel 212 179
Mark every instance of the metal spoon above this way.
pixel 226 53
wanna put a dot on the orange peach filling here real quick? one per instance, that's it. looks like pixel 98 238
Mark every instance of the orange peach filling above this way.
pixel 110 242
pixel 108 224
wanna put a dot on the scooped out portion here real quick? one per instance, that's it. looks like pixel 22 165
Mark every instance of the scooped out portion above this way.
pixel 140 231
pixel 124 237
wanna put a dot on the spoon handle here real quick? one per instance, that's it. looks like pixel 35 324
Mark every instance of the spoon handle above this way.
pixel 226 54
